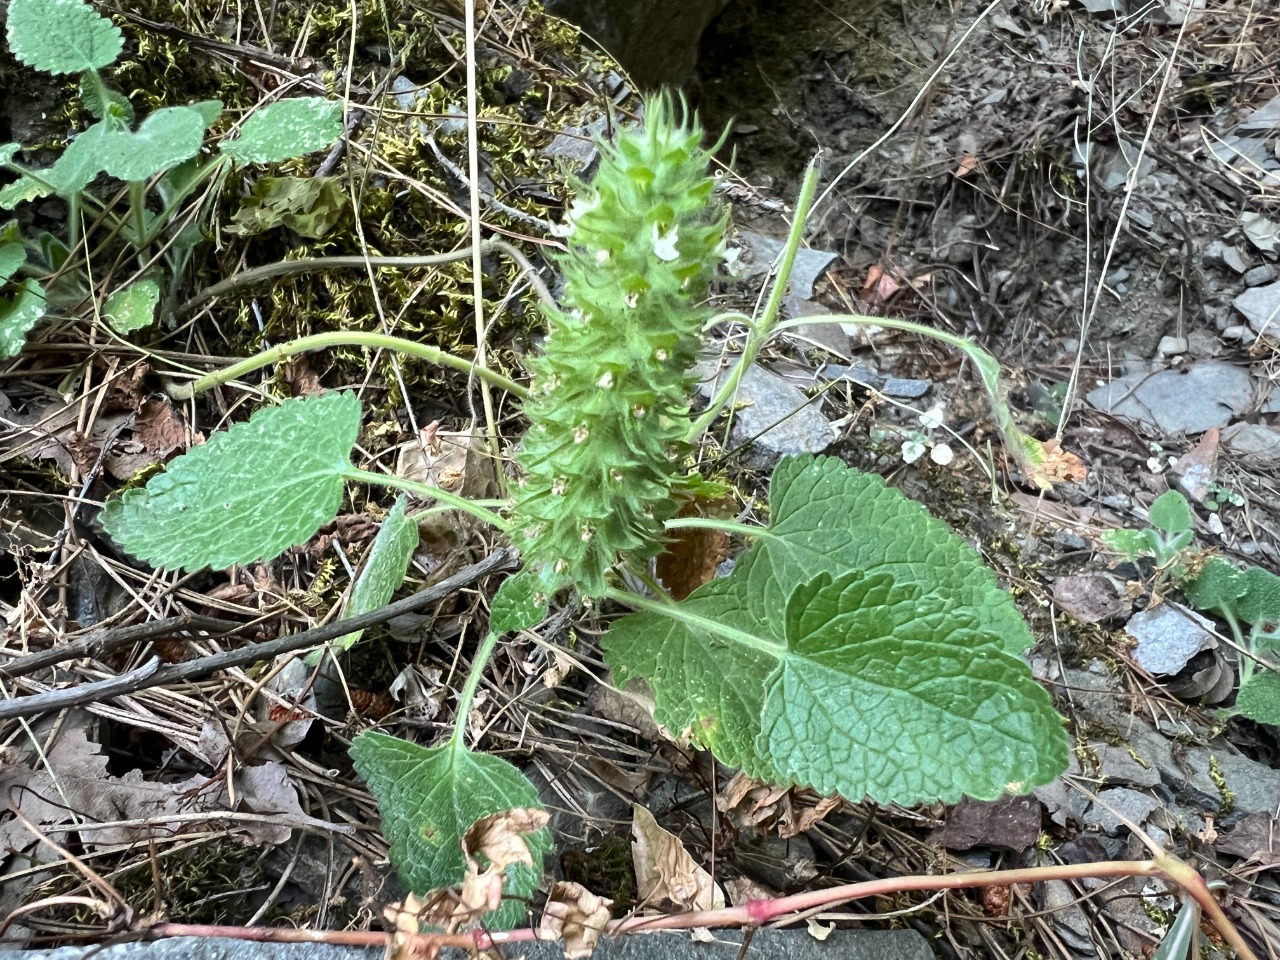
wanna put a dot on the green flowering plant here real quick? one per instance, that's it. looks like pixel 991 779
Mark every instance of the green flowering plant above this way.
pixel 858 646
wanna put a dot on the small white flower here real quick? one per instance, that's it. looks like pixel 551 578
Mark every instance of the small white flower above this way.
pixel 580 433
pixel 664 246
pixel 941 454
pixel 606 380
pixel 602 256
pixel 932 418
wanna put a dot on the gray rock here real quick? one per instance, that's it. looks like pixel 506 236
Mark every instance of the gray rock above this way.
pixel 1189 400
pixel 1119 802
pixel 1253 441
pixel 1168 637
pixel 766 944
pixel 759 252
pixel 1263 273
pixel 656 40
pixel 1070 922
pixel 1261 307
pixel 1116 764
pixel 905 389
pixel 1263 120
pixel 775 417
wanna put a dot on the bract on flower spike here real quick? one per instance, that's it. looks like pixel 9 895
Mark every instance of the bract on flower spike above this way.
pixel 644 239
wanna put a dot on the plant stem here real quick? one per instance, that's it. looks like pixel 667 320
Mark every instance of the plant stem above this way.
pixel 681 614
pixel 988 367
pixel 428 492
pixel 138 213
pixel 728 526
pixel 487 646
pixel 339 338
pixel 288 268
pixel 762 327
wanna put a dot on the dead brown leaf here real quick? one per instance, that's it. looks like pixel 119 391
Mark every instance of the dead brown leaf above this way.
pixel 664 869
pixel 577 916
pixel 501 837
pixel 692 553
pixel 1050 465
pixel 786 811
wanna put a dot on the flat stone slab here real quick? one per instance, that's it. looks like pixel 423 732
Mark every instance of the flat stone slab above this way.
pixel 1190 400
pixel 765 945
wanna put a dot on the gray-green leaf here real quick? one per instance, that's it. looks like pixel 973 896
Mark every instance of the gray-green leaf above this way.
pixel 18 314
pixel 286 129
pixel 249 493
pixel 385 569
pixel 12 257
pixel 164 139
pixel 132 308
pixel 430 796
pixel 62 36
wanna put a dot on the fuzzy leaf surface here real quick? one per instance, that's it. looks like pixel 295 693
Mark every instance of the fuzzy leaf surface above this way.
pixel 164 139
pixel 20 310
pixel 519 604
pixel 430 796
pixel 829 518
pixel 385 569
pixel 885 681
pixel 1171 513
pixel 250 493
pixel 287 129
pixel 62 36
pixel 132 308
pixel 1259 697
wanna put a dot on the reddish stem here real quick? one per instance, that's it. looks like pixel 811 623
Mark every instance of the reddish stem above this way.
pixel 755 913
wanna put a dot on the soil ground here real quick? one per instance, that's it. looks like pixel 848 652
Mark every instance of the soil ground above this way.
pixel 1044 179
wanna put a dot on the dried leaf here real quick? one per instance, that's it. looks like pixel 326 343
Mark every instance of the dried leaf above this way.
pixel 577 916
pixel 789 811
pixel 664 869
pixel 692 554
pixel 501 838
pixel 1049 464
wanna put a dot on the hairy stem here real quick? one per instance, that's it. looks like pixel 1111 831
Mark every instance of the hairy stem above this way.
pixel 487 646
pixel 338 338
pixel 762 327
pixel 428 492
pixel 727 526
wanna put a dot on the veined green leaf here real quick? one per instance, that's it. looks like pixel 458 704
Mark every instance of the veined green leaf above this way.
pixel 164 139
pixel 887 681
pixel 286 129
pixel 1259 697
pixel 519 604
pixel 1171 513
pixel 132 308
pixel 829 518
pixel 383 572
pixel 249 493
pixel 62 36
pixel 430 796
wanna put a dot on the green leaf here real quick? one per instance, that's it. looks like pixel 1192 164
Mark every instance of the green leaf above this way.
pixel 286 129
pixel 829 518
pixel 62 36
pixel 383 572
pixel 249 493
pixel 209 110
pixel 1259 697
pixel 1171 513
pixel 18 314
pixel 132 308
pixel 7 152
pixel 101 101
pixel 430 796
pixel 81 161
pixel 1261 601
pixel 166 138
pixel 22 190
pixel 309 206
pixel 519 604
pixel 1219 586
pixel 892 682
pixel 1179 941
pixel 1129 544
pixel 12 257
